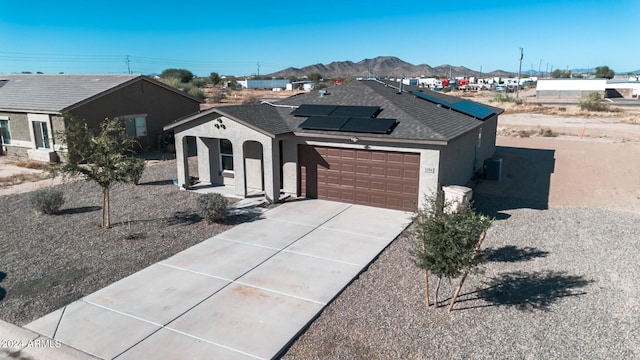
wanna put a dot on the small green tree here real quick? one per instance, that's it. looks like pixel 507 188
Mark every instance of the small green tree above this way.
pixel 184 75
pixel 561 74
pixel 604 72
pixel 100 157
pixel 315 77
pixel 215 78
pixel 444 240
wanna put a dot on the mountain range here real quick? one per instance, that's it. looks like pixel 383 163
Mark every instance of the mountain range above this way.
pixel 383 66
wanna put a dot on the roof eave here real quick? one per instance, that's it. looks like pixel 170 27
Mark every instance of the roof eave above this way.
pixel 32 111
pixel 366 138
pixel 215 110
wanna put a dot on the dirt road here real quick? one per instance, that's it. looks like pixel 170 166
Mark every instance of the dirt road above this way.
pixel 569 172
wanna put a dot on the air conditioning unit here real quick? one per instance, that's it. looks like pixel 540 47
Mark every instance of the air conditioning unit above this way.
pixel 493 169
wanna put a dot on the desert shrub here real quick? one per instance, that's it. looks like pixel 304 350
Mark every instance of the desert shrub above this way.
pixel 250 100
pixel 186 87
pixel 212 207
pixel 546 132
pixel 593 102
pixel 195 92
pixel 200 82
pixel 47 201
pixel 217 97
pixel 503 98
pixel 33 164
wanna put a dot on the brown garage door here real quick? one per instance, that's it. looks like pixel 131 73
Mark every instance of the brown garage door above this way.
pixel 377 178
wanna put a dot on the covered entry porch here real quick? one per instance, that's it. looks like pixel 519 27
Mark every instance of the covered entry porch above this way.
pixel 230 154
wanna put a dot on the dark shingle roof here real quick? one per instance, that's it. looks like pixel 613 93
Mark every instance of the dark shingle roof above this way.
pixel 418 119
pixel 260 116
pixel 57 93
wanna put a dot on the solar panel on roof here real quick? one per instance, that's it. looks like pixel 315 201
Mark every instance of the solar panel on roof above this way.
pixel 473 109
pixel 369 125
pixel 324 123
pixel 313 110
pixel 431 98
pixel 466 107
pixel 356 111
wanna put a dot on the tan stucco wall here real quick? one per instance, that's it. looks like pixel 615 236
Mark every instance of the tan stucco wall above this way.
pixel 18 125
pixel 465 155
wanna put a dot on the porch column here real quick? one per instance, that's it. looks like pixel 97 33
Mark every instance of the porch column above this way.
pixel 238 169
pixel 271 170
pixel 208 162
pixel 182 161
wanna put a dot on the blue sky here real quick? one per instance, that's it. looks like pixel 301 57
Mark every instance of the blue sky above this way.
pixel 233 37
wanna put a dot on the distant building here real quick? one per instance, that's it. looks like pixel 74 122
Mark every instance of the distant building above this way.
pixel 576 88
pixel 263 84
pixel 569 88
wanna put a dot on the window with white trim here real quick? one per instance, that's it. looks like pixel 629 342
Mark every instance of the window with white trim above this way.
pixel 41 134
pixel 5 132
pixel 226 155
pixel 136 126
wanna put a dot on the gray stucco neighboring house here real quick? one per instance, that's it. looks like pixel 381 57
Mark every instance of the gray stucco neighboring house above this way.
pixel 32 108
pixel 364 142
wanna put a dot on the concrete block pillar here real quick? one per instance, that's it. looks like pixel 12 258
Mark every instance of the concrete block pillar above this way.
pixel 208 161
pixel 290 167
pixel 456 196
pixel 182 161
pixel 271 170
pixel 238 169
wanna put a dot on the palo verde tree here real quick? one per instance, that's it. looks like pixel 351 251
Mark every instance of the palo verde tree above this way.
pixel 100 156
pixel 445 240
pixel 604 72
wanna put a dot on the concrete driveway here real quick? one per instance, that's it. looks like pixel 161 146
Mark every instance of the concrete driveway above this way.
pixel 243 294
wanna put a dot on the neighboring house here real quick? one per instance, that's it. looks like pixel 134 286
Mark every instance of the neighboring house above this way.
pixel 32 108
pixel 362 142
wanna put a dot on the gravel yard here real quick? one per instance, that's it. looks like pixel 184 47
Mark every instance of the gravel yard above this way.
pixel 51 260
pixel 556 284
pixel 558 280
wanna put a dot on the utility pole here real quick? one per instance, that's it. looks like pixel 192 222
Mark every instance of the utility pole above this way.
pixel 547 72
pixel 128 64
pixel 539 67
pixel 519 72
